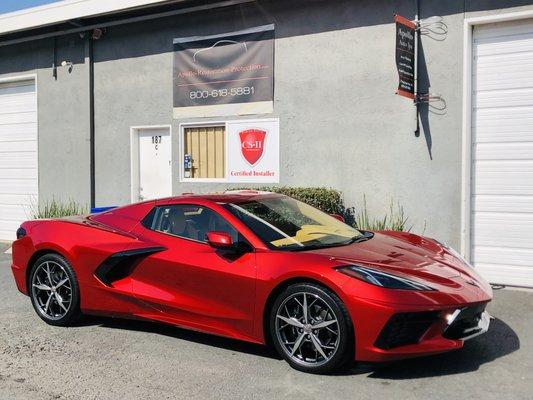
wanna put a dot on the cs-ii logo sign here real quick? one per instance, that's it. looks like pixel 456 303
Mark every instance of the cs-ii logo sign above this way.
pixel 253 150
pixel 252 145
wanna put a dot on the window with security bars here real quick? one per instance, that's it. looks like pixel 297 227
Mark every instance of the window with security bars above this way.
pixel 204 152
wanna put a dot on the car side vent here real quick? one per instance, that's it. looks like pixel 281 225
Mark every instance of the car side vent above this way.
pixel 119 265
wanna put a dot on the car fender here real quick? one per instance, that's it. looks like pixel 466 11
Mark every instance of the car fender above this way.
pixel 268 287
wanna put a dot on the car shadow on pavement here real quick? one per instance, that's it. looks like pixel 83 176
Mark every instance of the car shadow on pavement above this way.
pixel 182 334
pixel 499 341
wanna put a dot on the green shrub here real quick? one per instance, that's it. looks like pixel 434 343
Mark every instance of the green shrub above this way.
pixel 328 200
pixel 395 220
pixel 57 209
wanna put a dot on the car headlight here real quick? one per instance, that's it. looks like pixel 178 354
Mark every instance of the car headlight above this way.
pixel 380 278
pixel 454 253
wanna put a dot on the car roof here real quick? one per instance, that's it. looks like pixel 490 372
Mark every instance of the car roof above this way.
pixel 232 196
pixel 138 211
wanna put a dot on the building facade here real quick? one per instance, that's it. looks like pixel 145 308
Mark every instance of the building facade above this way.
pixel 87 97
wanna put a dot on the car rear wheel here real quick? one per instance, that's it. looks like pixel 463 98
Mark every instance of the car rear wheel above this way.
pixel 54 290
pixel 311 329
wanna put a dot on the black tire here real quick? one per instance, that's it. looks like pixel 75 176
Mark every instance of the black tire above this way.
pixel 60 270
pixel 343 351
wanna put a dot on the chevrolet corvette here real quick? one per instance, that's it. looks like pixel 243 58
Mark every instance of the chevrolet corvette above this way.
pixel 258 267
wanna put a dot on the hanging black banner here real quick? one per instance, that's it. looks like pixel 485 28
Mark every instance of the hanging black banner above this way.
pixel 405 56
pixel 227 74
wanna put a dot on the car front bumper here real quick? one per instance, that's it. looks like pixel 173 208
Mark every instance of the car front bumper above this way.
pixel 391 338
pixel 428 323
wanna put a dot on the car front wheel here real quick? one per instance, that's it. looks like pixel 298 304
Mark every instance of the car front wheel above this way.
pixel 311 328
pixel 54 290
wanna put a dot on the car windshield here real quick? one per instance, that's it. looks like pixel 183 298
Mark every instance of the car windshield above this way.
pixel 288 224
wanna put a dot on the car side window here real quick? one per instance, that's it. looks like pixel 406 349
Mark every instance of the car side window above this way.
pixel 190 222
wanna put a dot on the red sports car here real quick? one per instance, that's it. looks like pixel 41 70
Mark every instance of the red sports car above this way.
pixel 259 267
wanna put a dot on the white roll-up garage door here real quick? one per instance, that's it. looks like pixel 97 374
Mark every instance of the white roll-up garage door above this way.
pixel 18 155
pixel 502 152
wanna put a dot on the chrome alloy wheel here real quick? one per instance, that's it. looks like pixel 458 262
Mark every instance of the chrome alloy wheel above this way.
pixel 307 329
pixel 51 290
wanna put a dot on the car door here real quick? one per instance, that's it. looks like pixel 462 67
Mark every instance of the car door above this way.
pixel 191 283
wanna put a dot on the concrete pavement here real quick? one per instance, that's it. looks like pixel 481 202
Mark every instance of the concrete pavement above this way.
pixel 113 359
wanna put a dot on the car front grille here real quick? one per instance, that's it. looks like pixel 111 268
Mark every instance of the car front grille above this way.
pixel 465 323
pixel 405 328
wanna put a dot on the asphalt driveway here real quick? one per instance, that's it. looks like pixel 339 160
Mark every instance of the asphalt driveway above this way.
pixel 114 359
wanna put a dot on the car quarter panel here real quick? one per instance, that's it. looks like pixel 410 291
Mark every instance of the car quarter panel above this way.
pixel 85 245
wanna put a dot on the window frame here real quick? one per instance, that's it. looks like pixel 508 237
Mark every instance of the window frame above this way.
pixel 181 150
pixel 153 212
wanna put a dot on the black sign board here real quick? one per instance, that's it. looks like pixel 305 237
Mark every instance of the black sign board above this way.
pixel 405 56
pixel 225 74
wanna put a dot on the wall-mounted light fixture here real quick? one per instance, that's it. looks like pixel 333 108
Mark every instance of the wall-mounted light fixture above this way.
pixel 64 63
pixel 68 64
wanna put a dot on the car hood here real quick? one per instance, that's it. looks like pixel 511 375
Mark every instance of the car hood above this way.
pixel 404 254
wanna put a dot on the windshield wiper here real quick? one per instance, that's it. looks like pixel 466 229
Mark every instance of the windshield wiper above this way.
pixel 316 246
pixel 363 238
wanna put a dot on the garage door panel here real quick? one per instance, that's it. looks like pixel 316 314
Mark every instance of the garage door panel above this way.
pixel 503 230
pixel 506 274
pixel 16 213
pixel 9 228
pixel 505 134
pixel 19 186
pixel 501 219
pixel 493 80
pixel 16 132
pixel 508 114
pixel 6 233
pixel 18 173
pixel 500 125
pixel 18 160
pixel 485 185
pixel 17 199
pixel 17 88
pixel 503 151
pixel 18 104
pixel 503 98
pixel 505 84
pixel 14 118
pixel 502 29
pixel 502 117
pixel 502 256
pixel 502 48
pixel 503 177
pixel 518 61
pixel 499 203
pixel 18 146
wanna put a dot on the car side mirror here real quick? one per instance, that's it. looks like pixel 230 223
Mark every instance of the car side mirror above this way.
pixel 338 216
pixel 219 240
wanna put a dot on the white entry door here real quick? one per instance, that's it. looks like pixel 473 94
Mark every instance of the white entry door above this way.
pixel 155 163
pixel 502 152
pixel 18 155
